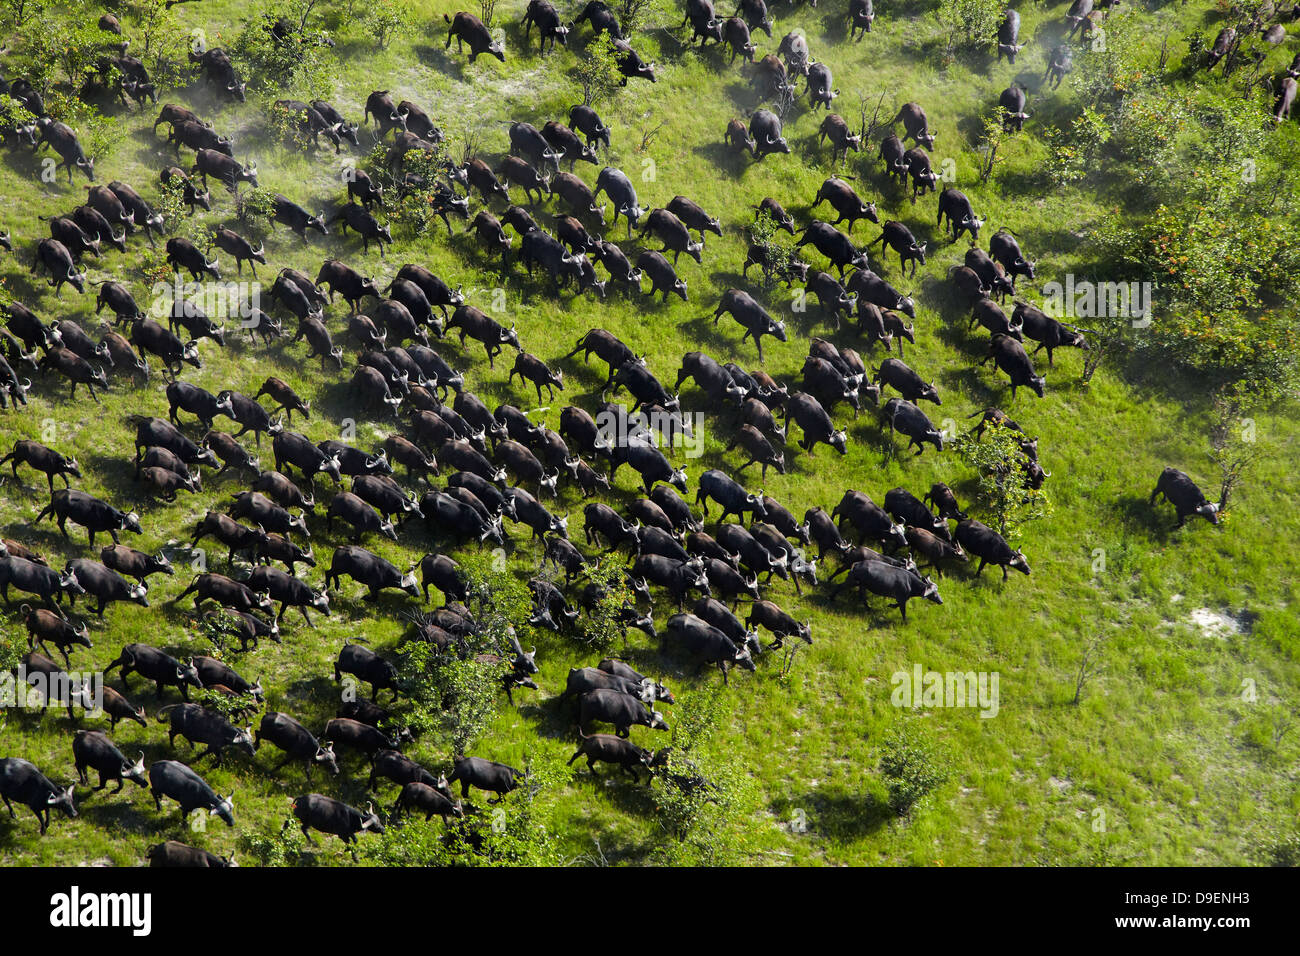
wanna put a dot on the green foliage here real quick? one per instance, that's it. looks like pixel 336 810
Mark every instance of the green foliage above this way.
pixel 1213 269
pixel 992 135
pixel 289 127
pixel 599 627
pixel 777 246
pixel 19 14
pixel 1108 70
pixel 1002 470
pixel 14 113
pixel 164 45
pixel 233 709
pixel 13 645
pixel 448 694
pixel 454 693
pixel 416 207
pixel 1282 849
pixel 515 832
pixel 276 67
pixel 597 71
pixel 912 765
pixel 1234 444
pixel 1145 134
pixel 385 19
pixel 273 847
pixel 1073 151
pixel 170 206
pixel 968 25
pixel 635 15
pixel 64 47
pixel 254 208
pixel 154 267
pixel 702 800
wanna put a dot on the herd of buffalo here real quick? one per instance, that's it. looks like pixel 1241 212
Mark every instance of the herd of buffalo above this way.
pixel 458 469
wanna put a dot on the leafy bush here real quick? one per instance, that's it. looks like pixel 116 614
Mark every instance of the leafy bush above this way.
pixel 1282 849
pixel 1073 151
pixel 289 127
pixel 911 765
pixel 69 44
pixel 777 247
pixel 1214 270
pixel 514 832
pixel 1002 469
pixel 453 692
pixel 253 209
pixel 383 20
pixel 597 71
pixel 416 207
pixel 280 847
pixel 634 15
pixel 703 802
pixel 968 25
pixel 1107 71
pixel 1145 134
pixel 599 626
pixel 275 67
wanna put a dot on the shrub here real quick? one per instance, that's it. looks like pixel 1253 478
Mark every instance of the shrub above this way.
pixel 279 847
pixel 911 765
pixel 515 832
pixel 778 248
pixel 277 66
pixel 451 691
pixel 1073 151
pixel 416 206
pixel 1282 849
pixel 1218 274
pixel 703 802
pixel 385 19
pixel 968 25
pixel 254 208
pixel 597 71
pixel 599 626
pixel 1002 469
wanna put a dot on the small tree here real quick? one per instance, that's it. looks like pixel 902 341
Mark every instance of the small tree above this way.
pixel 633 15
pixel 254 208
pixel 456 691
pixel 1002 470
pixel 601 625
pixel 278 847
pixel 1233 445
pixel 991 137
pixel 277 65
pixel 912 766
pixel 385 19
pixel 17 12
pixel 701 800
pixel 597 71
pixel 777 249
pixel 1072 152
pixel 418 201
pixel 968 25
pixel 1089 666
pixel 1105 337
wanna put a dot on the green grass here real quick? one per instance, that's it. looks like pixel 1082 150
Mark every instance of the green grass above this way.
pixel 1162 739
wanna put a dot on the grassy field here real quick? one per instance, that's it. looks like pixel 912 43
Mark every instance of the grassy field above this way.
pixel 1183 768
